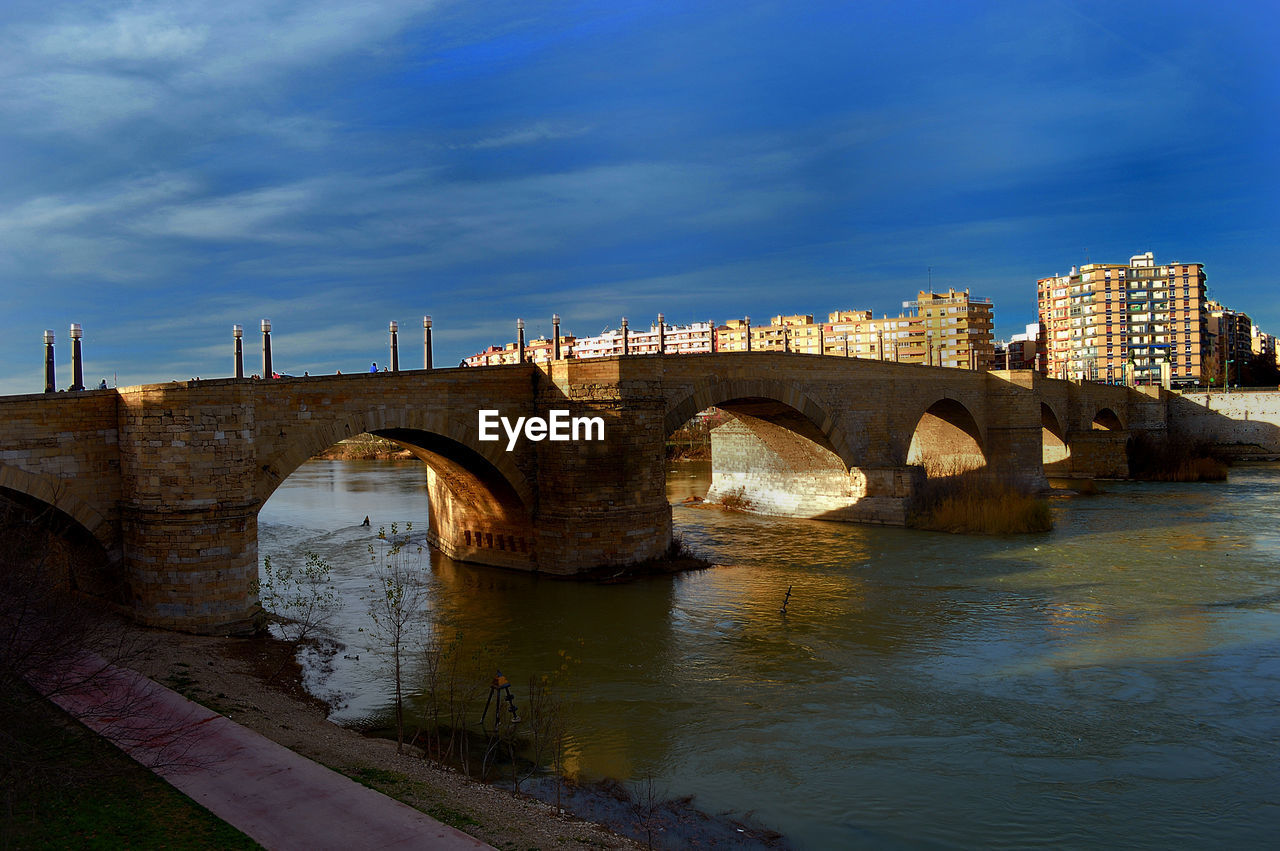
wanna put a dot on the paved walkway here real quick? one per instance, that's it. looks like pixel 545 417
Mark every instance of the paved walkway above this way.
pixel 281 799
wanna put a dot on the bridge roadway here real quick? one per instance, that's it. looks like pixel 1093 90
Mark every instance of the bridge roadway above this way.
pixel 167 479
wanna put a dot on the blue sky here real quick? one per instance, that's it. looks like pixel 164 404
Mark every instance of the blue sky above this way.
pixel 170 169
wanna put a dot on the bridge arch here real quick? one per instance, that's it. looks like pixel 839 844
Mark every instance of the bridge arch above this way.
pixel 946 439
pixel 453 445
pixel 1107 420
pixel 481 505
pixel 757 402
pixel 53 492
pixel 1055 450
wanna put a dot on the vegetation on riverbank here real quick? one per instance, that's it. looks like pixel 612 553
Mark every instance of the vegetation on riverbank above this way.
pixel 365 447
pixel 1169 459
pixel 974 502
pixel 91 795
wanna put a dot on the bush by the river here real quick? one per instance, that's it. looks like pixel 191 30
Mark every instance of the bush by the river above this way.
pixel 1168 459
pixel 974 502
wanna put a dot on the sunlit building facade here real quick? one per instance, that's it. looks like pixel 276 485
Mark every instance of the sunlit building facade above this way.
pixel 1119 322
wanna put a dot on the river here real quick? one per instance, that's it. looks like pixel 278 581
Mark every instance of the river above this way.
pixel 1113 682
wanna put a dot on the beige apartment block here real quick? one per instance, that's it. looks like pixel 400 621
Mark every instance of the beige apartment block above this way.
pixel 947 329
pixel 1126 322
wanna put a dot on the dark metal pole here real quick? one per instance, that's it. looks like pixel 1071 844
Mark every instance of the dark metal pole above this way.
pixel 50 379
pixel 748 333
pixel 238 333
pixel 822 346
pixel 625 347
pixel 77 367
pixel 662 334
pixel 555 333
pixel 520 340
pixel 426 342
pixel 395 346
pixel 266 348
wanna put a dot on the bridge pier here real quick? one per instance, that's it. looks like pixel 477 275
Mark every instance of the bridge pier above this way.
pixel 1099 454
pixel 190 570
pixel 189 519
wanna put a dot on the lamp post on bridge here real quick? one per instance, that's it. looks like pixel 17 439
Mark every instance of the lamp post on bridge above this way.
pixel 266 348
pixel 555 334
pixel 77 367
pixel 519 341
pixel 625 343
pixel 662 334
pixel 395 345
pixel 237 332
pixel 426 342
pixel 50 379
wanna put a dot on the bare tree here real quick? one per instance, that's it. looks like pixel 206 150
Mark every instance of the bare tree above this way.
pixel 398 606
pixel 303 599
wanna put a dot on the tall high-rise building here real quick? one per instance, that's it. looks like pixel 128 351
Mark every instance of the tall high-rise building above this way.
pixel 1107 322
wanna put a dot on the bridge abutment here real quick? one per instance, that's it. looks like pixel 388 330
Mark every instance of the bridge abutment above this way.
pixel 189 522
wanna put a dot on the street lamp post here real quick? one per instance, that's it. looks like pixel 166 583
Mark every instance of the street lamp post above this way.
pixel 394 329
pixel 625 342
pixel 662 334
pixel 77 367
pixel 555 334
pixel 426 342
pixel 266 348
pixel 238 333
pixel 50 378
pixel 519 341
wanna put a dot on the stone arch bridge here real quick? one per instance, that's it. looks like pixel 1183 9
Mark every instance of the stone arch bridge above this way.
pixel 169 478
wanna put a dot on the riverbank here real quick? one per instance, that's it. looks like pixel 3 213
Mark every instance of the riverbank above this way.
pixel 257 683
pixel 365 447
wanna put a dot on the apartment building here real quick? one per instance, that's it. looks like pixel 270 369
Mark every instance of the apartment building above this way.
pixel 947 329
pixel 1231 349
pixel 1116 322
pixel 1022 351
pixel 539 350
pixel 688 339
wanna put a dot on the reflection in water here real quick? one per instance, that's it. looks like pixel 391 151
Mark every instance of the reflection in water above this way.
pixel 1111 682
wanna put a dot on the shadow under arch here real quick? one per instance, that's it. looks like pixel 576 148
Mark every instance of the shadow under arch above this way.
pixel 52 492
pixel 480 504
pixel 38 535
pixel 1055 451
pixel 946 440
pixel 1106 420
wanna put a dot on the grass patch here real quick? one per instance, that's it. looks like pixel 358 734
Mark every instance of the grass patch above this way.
pixel 977 503
pixel 454 818
pixel 368 776
pixel 89 794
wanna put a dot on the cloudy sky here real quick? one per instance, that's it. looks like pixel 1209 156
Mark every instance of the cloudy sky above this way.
pixel 168 169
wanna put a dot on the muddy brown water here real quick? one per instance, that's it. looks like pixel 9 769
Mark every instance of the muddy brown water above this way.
pixel 1113 682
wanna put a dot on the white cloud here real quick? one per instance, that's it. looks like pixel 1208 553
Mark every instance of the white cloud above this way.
pixel 540 132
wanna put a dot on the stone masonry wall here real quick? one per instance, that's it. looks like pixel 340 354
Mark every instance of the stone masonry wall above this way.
pixel 1244 422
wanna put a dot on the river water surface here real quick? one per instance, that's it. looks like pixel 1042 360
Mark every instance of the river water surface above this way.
pixel 1113 682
